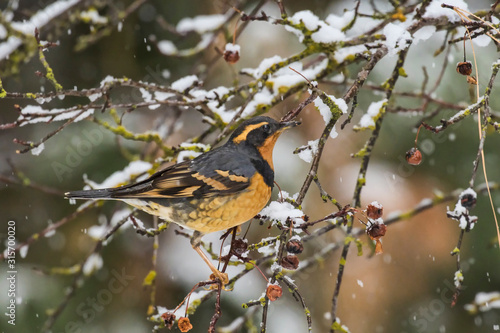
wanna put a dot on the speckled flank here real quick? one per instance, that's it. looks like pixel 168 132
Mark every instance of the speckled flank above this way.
pixel 215 213
pixel 152 208
pixel 212 182
pixel 222 213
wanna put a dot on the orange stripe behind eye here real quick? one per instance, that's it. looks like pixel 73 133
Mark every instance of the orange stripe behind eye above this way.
pixel 243 136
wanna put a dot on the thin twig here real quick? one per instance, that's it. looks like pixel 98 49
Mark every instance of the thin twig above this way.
pixel 295 290
pixel 218 310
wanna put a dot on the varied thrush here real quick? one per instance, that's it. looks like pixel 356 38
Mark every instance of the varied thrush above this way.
pixel 217 190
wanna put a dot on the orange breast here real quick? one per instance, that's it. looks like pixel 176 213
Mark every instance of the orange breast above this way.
pixel 220 213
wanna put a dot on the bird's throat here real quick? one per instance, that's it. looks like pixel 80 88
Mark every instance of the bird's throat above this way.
pixel 266 150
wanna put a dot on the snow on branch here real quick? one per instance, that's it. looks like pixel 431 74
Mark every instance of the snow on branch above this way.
pixel 361 65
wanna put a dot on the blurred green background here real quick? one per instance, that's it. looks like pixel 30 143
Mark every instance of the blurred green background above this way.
pixel 399 291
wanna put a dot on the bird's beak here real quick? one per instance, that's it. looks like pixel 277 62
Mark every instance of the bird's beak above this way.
pixel 288 124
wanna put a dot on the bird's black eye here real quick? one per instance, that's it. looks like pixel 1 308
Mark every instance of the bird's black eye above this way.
pixel 266 128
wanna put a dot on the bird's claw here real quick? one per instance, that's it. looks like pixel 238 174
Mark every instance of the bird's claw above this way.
pixel 222 277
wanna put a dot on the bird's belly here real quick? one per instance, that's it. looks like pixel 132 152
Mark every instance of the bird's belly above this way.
pixel 212 213
pixel 224 212
pixel 164 210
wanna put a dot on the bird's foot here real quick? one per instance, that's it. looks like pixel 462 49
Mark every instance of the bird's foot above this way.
pixel 222 277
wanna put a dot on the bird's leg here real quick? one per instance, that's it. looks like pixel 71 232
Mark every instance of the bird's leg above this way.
pixel 195 243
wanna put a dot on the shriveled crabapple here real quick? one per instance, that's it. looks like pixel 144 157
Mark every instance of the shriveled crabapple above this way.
pixel 273 292
pixel 374 210
pixel 464 68
pixel 168 319
pixel 294 246
pixel 184 324
pixel 376 229
pixel 468 200
pixel 290 262
pixel 414 156
pixel 239 246
pixel 231 53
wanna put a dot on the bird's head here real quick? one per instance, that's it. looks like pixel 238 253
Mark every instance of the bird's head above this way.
pixel 261 132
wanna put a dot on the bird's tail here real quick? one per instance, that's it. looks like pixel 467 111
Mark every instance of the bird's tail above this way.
pixel 89 194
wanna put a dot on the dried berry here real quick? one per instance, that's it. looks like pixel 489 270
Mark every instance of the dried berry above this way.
pixel 290 262
pixel 273 292
pixel 464 68
pixel 239 246
pixel 374 210
pixel 231 57
pixel 294 246
pixel 472 80
pixel 184 324
pixel 414 156
pixel 169 319
pixel 468 200
pixel 232 53
pixel 376 230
